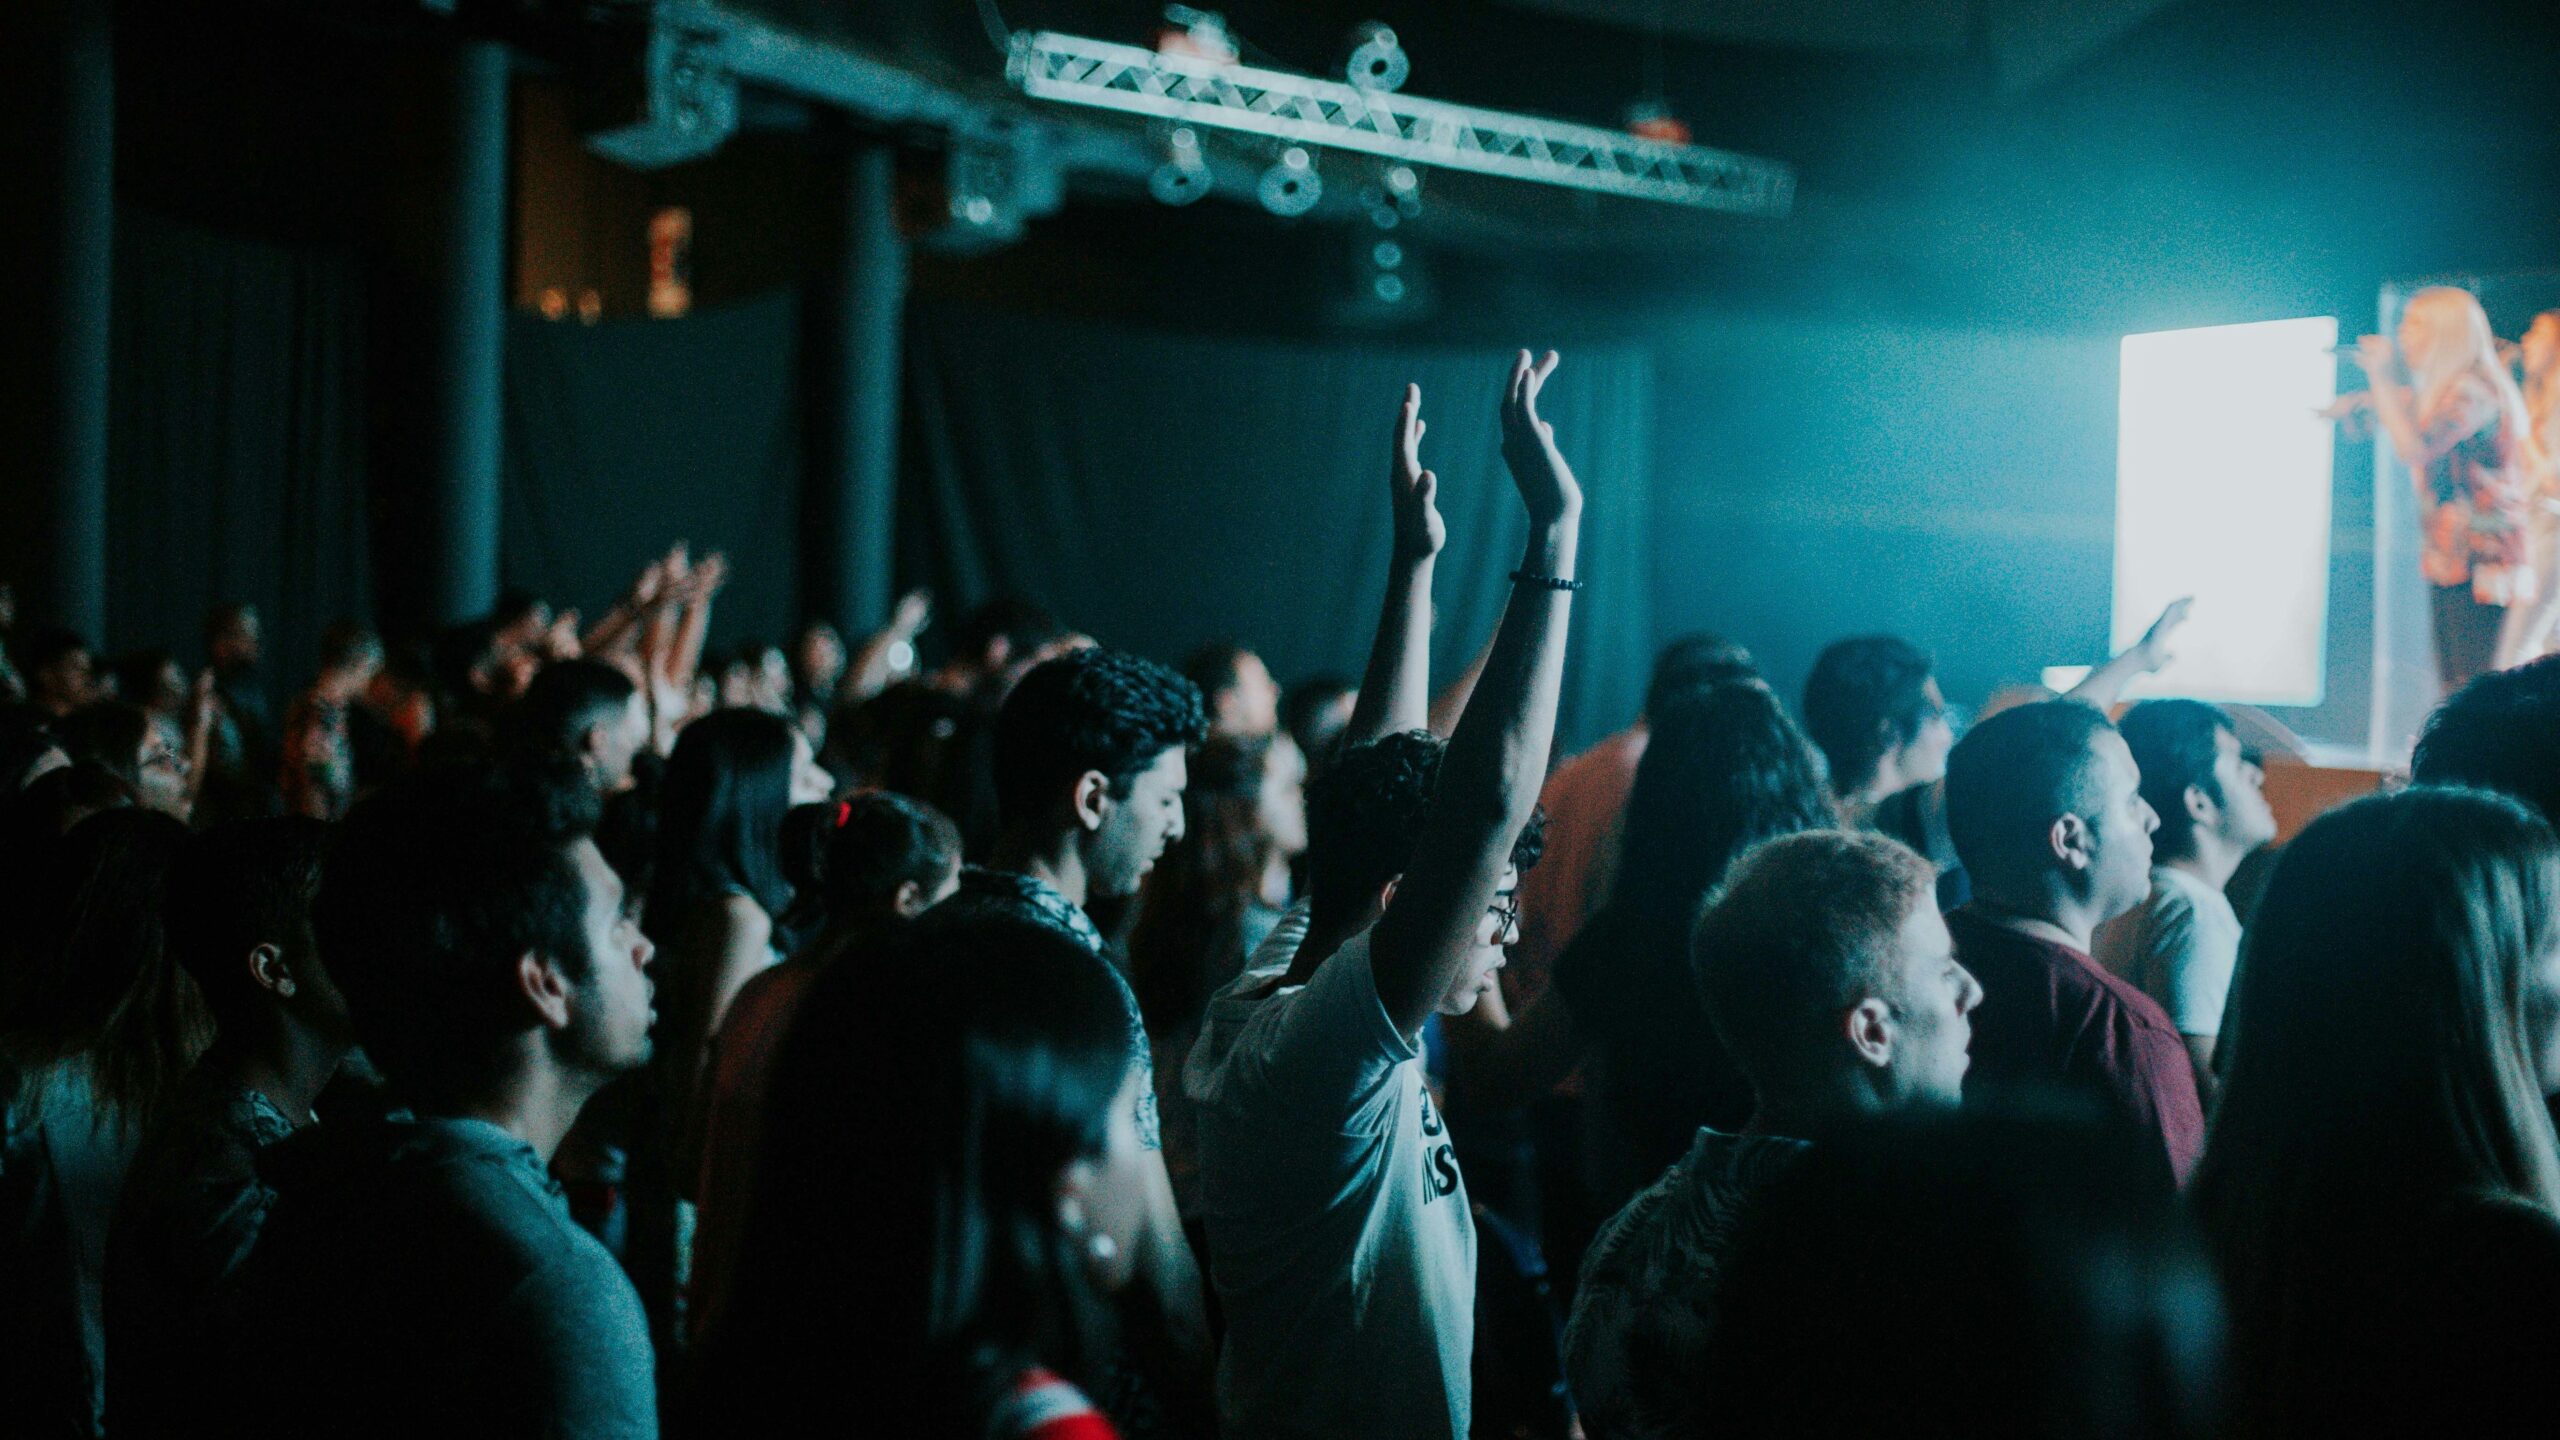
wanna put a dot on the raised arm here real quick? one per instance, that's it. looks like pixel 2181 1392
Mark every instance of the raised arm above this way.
pixel 1496 761
pixel 1395 690
pixel 2104 685
pixel 874 664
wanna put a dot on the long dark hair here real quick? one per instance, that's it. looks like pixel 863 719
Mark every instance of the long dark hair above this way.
pixel 923 1109
pixel 847 859
pixel 1723 770
pixel 2379 1059
pixel 98 982
pixel 720 810
pixel 1198 893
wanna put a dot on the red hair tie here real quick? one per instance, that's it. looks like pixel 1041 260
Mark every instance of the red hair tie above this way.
pixel 844 813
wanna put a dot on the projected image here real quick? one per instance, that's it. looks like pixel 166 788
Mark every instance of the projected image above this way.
pixel 2222 492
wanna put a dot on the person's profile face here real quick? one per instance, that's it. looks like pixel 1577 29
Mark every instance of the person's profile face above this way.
pixel 2542 1019
pixel 1935 1027
pixel 810 784
pixel 610 1027
pixel 2121 829
pixel 1924 756
pixel 819 655
pixel 1496 931
pixel 1103 1201
pixel 162 766
pixel 2247 820
pixel 1252 705
pixel 1136 830
pixel 1282 802
pixel 619 743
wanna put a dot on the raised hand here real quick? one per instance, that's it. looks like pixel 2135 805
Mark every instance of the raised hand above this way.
pixel 1412 491
pixel 914 612
pixel 1546 482
pixel 2154 644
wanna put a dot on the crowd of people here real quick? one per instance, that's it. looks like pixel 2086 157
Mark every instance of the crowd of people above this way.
pixel 556 1033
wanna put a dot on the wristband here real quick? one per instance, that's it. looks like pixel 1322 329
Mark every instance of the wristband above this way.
pixel 1523 577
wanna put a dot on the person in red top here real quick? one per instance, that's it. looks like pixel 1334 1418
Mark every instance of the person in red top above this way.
pixel 2046 810
pixel 951 1183
pixel 1586 803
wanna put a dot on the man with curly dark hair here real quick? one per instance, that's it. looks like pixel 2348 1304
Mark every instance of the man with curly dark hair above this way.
pixel 1090 760
pixel 1339 1232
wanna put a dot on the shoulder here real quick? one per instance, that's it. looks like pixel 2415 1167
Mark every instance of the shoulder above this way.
pixel 740 913
pixel 1040 1406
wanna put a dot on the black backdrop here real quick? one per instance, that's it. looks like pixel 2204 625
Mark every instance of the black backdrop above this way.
pixel 625 436
pixel 236 451
pixel 1164 490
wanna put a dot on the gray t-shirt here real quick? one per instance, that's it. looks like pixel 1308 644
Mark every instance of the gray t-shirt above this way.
pixel 1339 1235
pixel 427 1280
pixel 1636 1348
pixel 2178 947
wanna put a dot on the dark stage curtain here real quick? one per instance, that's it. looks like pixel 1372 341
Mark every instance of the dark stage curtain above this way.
pixel 236 452
pixel 1160 491
pixel 626 436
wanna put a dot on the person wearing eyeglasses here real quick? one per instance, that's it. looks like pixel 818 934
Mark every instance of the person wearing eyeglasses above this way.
pixel 1340 1237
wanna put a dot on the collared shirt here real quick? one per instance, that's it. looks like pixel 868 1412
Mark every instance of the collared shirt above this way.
pixel 985 891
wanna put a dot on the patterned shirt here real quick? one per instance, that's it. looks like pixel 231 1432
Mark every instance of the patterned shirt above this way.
pixel 1644 1316
pixel 192 1208
pixel 2474 493
pixel 985 892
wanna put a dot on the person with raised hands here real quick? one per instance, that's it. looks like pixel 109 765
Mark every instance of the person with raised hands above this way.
pixel 1339 1234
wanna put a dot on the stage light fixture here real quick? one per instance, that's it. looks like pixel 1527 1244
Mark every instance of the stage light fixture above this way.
pixel 1184 176
pixel 1291 186
pixel 1378 63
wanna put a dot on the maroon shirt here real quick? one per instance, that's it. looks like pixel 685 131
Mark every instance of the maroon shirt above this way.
pixel 2054 1019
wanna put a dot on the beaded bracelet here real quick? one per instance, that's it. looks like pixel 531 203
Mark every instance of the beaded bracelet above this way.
pixel 1523 577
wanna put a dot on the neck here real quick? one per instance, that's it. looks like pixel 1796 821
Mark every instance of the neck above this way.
pixel 1883 785
pixel 1817 1113
pixel 2210 860
pixel 1050 858
pixel 536 1102
pixel 2048 916
pixel 290 1066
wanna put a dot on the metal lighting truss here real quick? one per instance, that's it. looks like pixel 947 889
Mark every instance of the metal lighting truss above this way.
pixel 1310 111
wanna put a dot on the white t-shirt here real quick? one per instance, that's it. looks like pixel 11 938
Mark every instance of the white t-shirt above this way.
pixel 1339 1235
pixel 2178 947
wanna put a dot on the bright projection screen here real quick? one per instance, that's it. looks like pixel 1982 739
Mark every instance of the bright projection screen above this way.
pixel 2222 492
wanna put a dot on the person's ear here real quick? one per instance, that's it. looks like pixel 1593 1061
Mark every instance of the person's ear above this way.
pixel 268 970
pixel 907 901
pixel 1868 1027
pixel 1092 799
pixel 591 741
pixel 2071 841
pixel 1387 894
pixel 2200 807
pixel 544 987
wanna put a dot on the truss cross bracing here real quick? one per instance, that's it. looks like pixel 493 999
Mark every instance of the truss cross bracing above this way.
pixel 1309 111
